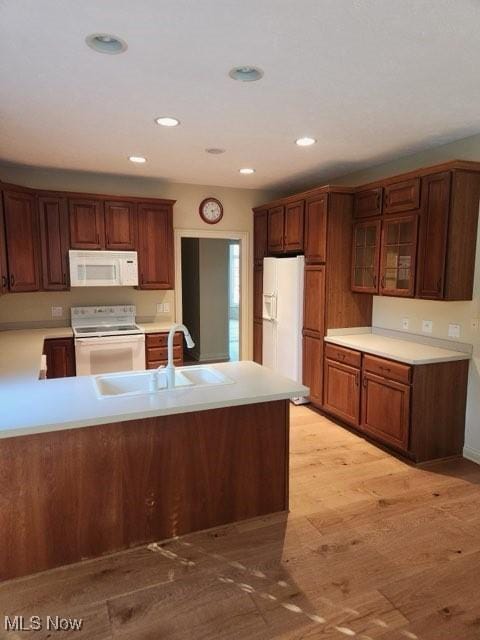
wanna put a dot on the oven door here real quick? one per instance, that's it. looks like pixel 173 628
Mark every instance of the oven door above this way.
pixel 109 354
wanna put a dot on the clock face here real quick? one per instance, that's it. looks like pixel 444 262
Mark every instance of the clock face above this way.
pixel 211 210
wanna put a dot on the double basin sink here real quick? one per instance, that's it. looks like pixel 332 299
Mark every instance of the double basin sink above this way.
pixel 155 381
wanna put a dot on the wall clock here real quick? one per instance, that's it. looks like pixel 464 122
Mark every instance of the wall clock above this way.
pixel 211 210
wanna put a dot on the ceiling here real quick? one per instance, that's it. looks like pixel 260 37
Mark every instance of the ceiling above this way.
pixel 371 80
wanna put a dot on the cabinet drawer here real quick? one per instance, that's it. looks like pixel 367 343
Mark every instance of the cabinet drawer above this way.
pixel 154 364
pixel 340 354
pixel 387 368
pixel 402 196
pixel 161 353
pixel 161 339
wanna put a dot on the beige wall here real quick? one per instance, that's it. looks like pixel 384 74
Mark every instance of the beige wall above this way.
pixel 388 312
pixel 237 216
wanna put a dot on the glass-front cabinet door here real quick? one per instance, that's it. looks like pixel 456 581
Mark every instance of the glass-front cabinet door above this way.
pixel 365 258
pixel 399 252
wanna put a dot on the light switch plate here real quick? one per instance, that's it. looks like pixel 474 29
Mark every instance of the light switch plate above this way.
pixel 57 312
pixel 160 307
pixel 454 331
pixel 405 324
pixel 427 326
pixel 166 307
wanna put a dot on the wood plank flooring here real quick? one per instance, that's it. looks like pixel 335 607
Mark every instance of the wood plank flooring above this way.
pixel 372 548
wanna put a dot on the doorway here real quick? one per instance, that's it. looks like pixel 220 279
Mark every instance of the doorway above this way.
pixel 210 277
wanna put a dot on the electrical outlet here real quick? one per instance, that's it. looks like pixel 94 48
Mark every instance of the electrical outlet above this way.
pixel 166 307
pixel 57 312
pixel 427 326
pixel 454 331
pixel 405 324
pixel 160 307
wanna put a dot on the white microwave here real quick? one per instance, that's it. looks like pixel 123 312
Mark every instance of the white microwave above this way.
pixel 103 268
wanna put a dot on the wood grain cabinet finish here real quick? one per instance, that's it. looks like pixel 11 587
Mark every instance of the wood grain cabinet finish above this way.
pixel 87 225
pixel 313 368
pixel 3 252
pixel 260 236
pixel 156 349
pixel 258 341
pixel 155 246
pixel 398 255
pixel 368 203
pixel 120 225
pixel 341 391
pixel 402 196
pixel 60 353
pixel 276 229
pixel 314 300
pixel 55 242
pixel 257 293
pixel 294 225
pixel 316 211
pixel 366 256
pixel 22 240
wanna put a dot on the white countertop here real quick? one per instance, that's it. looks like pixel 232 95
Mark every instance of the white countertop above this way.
pixel 155 327
pixel 30 405
pixel 406 351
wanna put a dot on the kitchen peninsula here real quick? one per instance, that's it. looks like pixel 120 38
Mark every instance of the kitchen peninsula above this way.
pixel 82 475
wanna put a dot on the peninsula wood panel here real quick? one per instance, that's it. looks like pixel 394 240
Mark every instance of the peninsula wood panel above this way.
pixel 75 494
pixel 55 242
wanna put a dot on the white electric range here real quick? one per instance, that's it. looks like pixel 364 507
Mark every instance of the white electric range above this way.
pixel 107 339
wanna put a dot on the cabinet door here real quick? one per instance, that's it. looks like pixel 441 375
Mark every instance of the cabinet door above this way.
pixel 402 196
pixel 368 203
pixel 155 246
pixel 316 229
pixel 258 293
pixel 399 250
pixel 87 225
pixel 22 240
pixel 314 300
pixel 276 229
pixel 260 236
pixel 313 368
pixel 257 341
pixel 60 354
pixel 120 225
pixel 341 391
pixel 294 215
pixel 386 410
pixel 432 245
pixel 3 253
pixel 55 242
pixel 366 256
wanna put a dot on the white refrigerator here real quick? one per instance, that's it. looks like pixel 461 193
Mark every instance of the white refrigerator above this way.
pixel 283 316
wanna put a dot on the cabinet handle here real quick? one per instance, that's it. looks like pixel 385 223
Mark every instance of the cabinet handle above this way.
pixel 98 238
pixel 365 381
pixel 375 281
pixel 12 279
pixel 382 282
pixel 357 379
pixel 439 284
pixel 4 282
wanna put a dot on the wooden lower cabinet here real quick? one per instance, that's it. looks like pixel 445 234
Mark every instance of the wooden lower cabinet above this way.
pixel 341 396
pixel 60 353
pixel 258 341
pixel 386 410
pixel 156 350
pixel 313 368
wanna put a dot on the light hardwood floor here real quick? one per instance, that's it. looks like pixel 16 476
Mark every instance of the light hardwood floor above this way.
pixel 372 549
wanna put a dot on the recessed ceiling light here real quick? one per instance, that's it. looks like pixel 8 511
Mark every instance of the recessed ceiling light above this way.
pixel 247 171
pixel 305 141
pixel 167 121
pixel 106 43
pixel 215 151
pixel 246 73
pixel 137 159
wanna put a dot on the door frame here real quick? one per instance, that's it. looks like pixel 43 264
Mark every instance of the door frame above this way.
pixel 243 238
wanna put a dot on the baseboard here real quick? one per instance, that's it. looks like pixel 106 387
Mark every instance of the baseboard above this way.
pixel 471 454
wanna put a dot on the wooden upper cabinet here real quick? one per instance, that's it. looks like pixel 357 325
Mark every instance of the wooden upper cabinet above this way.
pixel 87 226
pixel 294 218
pixel 120 225
pixel 3 253
pixel 257 293
pixel 366 256
pixel 314 301
pixel 402 196
pixel 260 236
pixel 22 239
pixel 276 229
pixel 316 229
pixel 368 203
pixel 398 256
pixel 155 246
pixel 55 242
pixel 432 246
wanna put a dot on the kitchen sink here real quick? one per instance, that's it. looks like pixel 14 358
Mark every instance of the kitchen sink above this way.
pixel 143 382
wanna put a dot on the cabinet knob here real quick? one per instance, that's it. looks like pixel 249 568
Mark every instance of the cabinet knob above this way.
pixel 4 282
